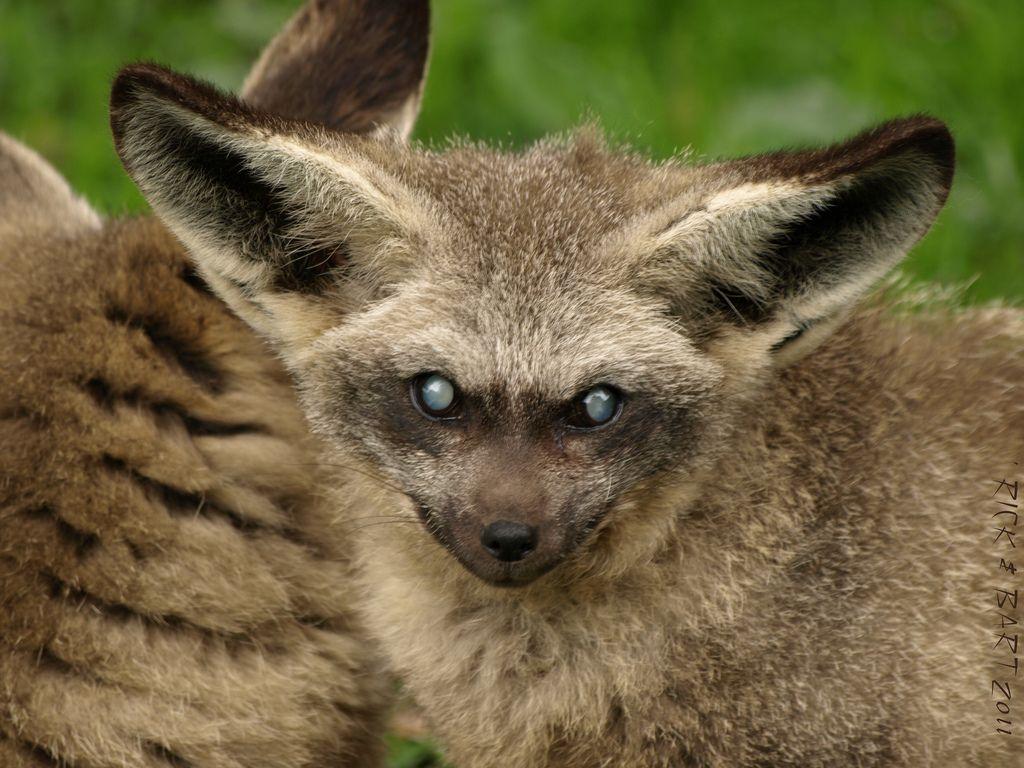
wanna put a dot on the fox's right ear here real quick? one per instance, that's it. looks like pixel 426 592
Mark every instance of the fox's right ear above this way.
pixel 776 249
pixel 352 65
pixel 275 213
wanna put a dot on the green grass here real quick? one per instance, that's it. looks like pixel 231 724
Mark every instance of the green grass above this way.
pixel 724 78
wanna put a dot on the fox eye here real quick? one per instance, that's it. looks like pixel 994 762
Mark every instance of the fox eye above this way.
pixel 435 396
pixel 597 407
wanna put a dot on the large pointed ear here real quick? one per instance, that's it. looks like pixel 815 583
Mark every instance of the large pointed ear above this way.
pixel 34 199
pixel 771 251
pixel 278 215
pixel 352 65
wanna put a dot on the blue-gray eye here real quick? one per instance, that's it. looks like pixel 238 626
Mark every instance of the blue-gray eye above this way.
pixel 597 407
pixel 435 396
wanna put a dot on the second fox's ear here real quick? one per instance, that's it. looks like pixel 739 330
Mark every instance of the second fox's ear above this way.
pixel 352 65
pixel 772 250
pixel 266 209
pixel 35 200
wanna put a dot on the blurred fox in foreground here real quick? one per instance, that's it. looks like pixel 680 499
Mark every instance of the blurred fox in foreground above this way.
pixel 667 489
pixel 173 593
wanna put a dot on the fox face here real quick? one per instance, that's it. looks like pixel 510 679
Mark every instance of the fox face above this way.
pixel 513 400
pixel 496 449
pixel 523 346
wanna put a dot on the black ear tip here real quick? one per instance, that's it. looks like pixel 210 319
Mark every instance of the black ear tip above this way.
pixel 937 140
pixel 137 79
pixel 154 84
pixel 927 136
pixel 133 84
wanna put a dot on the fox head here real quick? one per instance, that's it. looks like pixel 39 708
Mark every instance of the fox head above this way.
pixel 519 344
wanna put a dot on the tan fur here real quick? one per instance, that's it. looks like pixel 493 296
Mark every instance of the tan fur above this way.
pixel 822 596
pixel 175 588
pixel 777 555
pixel 169 593
pixel 35 199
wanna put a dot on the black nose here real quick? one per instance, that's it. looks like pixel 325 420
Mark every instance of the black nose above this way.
pixel 508 541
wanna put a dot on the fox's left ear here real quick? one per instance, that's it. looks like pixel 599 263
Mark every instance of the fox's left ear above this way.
pixel 777 247
pixel 276 214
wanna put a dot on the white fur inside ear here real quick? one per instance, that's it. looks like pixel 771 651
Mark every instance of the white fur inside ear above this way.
pixel 756 195
pixel 296 322
pixel 778 343
pixel 757 203
pixel 804 323
pixel 812 335
pixel 360 190
pixel 235 299
pixel 207 249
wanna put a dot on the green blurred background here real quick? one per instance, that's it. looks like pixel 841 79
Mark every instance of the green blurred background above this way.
pixel 724 78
